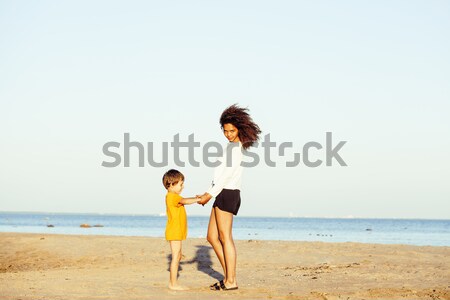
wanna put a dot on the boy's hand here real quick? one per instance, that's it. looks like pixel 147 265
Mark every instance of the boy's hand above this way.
pixel 199 197
pixel 204 199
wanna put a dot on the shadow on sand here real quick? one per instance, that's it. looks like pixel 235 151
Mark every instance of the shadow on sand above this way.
pixel 202 259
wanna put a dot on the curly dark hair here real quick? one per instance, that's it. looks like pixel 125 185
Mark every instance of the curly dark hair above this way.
pixel 248 130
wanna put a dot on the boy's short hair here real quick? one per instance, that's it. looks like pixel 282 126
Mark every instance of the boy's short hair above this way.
pixel 172 177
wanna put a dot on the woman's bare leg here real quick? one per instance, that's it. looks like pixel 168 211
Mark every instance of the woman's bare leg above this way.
pixel 224 222
pixel 213 239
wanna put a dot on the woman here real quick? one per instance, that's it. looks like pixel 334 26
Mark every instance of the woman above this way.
pixel 240 130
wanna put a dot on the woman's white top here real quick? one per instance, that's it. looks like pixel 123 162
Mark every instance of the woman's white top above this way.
pixel 228 175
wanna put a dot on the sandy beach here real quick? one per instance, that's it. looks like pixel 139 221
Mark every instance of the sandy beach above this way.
pixel 39 266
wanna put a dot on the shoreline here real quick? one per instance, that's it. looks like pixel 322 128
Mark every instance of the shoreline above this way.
pixel 250 237
pixel 54 266
pixel 416 232
pixel 201 239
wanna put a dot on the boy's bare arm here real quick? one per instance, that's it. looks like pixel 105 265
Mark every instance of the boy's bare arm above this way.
pixel 186 201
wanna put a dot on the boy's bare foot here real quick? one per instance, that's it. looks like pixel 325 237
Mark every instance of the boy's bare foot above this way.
pixel 176 287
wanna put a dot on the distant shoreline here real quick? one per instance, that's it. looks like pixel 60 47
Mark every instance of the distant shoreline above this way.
pixel 204 239
pixel 375 231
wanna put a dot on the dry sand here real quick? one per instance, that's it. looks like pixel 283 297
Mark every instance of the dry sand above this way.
pixel 39 266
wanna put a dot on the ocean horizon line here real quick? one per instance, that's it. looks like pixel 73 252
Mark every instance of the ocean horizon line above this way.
pixel 349 217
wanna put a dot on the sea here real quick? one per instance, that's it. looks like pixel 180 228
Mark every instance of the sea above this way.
pixel 378 231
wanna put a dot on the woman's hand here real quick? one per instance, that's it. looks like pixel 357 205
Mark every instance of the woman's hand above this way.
pixel 204 198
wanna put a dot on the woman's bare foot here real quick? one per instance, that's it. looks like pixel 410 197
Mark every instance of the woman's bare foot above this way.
pixel 176 287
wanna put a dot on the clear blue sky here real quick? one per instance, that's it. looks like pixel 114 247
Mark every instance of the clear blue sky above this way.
pixel 77 74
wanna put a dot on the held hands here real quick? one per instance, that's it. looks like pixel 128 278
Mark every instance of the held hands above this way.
pixel 203 199
pixel 199 199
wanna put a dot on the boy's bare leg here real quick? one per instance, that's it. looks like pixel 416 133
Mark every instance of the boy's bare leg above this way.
pixel 225 224
pixel 175 247
pixel 213 239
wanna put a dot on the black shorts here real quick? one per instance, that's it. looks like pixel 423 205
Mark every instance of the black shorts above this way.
pixel 229 201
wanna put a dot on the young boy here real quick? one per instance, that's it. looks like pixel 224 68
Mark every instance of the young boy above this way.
pixel 176 228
